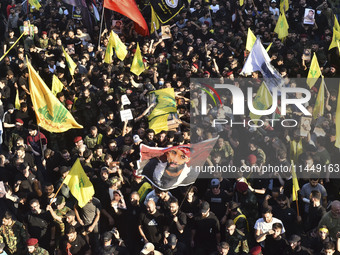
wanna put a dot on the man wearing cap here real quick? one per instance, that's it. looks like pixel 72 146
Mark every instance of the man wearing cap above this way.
pixel 173 247
pixel 295 247
pixel 34 249
pixel 149 248
pixel 217 198
pixel 79 146
pixel 205 233
pixel 19 131
pixel 114 246
pixel 60 212
pixel 257 250
pixel 332 219
pixel 238 217
pixel 13 234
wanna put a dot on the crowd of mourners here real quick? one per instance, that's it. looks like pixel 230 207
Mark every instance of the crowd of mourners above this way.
pixel 220 215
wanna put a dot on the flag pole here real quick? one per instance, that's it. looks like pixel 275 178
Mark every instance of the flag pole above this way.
pixel 101 27
pixel 55 195
pixel 297 203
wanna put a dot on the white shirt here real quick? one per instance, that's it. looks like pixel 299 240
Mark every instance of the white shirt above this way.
pixel 265 227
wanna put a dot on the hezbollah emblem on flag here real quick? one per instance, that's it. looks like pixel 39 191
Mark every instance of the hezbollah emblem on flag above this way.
pixel 172 3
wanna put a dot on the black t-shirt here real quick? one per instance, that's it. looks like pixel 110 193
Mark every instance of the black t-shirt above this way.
pixel 273 246
pixel 217 202
pixel 288 218
pixel 152 225
pixel 37 224
pixel 206 230
pixel 182 219
pixel 78 247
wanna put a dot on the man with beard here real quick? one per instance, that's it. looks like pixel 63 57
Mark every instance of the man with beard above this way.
pixel 332 219
pixel 169 169
pixel 74 244
pixel 177 220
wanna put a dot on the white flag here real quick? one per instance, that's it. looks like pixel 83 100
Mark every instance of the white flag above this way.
pixel 259 60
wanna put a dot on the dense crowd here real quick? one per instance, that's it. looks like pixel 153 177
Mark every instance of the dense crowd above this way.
pixel 220 215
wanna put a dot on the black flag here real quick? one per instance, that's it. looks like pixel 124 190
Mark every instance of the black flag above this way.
pixel 166 9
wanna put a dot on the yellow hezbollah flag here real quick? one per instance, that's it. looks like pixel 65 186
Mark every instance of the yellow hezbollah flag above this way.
pixel 314 72
pixel 336 24
pixel 79 184
pixel 109 50
pixel 251 38
pixel 262 101
pixel 35 3
pixel 70 63
pixel 296 187
pixel 119 46
pixel 320 101
pixel 284 5
pixel 335 39
pixel 282 26
pixel 269 46
pixel 17 101
pixel 296 149
pixel 154 21
pixel 57 85
pixel 137 66
pixel 51 114
pixel 337 122
pixel 241 2
pixel 165 105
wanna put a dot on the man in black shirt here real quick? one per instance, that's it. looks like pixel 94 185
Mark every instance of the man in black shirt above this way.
pixel 206 231
pixel 151 224
pixel 74 244
pixel 274 242
pixel 176 220
pixel 315 211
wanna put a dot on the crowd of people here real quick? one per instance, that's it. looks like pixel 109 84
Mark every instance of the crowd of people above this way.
pixel 218 215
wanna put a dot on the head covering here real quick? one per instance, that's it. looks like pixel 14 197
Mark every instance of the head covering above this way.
pixel 256 250
pixel 233 205
pixel 148 247
pixel 136 139
pixel 214 183
pixel 32 242
pixel 172 239
pixel 252 159
pixel 10 106
pixel 241 186
pixel 107 236
pixel 19 121
pixel 43 33
pixel 70 213
pixel 294 238
pixel 60 200
pixel 68 101
pixel 204 207
pixel 77 139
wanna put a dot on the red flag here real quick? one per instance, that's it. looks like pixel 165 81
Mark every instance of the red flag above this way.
pixel 129 9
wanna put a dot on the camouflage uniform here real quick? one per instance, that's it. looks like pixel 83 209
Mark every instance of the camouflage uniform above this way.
pixel 40 251
pixel 62 212
pixel 14 237
pixel 238 242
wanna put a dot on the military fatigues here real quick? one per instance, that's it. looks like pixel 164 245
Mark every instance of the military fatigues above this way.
pixel 238 242
pixel 14 237
pixel 40 251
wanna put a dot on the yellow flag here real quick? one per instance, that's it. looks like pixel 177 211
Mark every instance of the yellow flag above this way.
pixel 337 122
pixel 262 101
pixel 269 46
pixel 296 149
pixel 319 106
pixel 284 5
pixel 51 114
pixel 17 101
pixel 70 63
pixel 296 187
pixel 251 38
pixel 335 39
pixel 336 24
pixel 166 104
pixel 241 2
pixel 35 3
pixel 154 21
pixel 282 26
pixel 79 184
pixel 119 46
pixel 109 50
pixel 314 72
pixel 57 85
pixel 137 66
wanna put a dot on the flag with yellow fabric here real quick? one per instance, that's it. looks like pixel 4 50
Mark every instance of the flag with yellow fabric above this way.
pixel 319 106
pixel 336 24
pixel 241 2
pixel 314 72
pixel 70 63
pixel 269 46
pixel 79 184
pixel 109 50
pixel 137 66
pixel 282 26
pixel 335 39
pixel 284 5
pixel 337 122
pixel 50 112
pixel 296 187
pixel 17 100
pixel 119 46
pixel 262 101
pixel 154 21
pixel 251 39
pixel 35 4
pixel 57 85
pixel 165 106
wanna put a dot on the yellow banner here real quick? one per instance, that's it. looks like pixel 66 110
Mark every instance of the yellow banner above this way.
pixel 51 114
pixel 137 66
pixel 79 184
